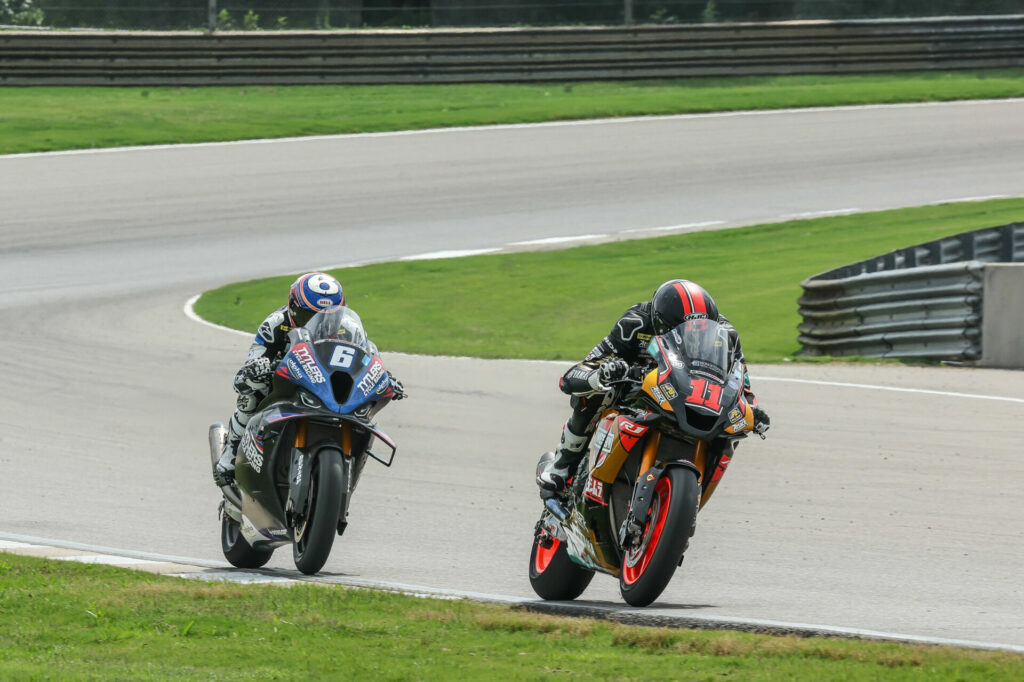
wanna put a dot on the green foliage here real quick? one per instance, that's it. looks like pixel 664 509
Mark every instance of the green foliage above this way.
pixel 251 21
pixel 710 13
pixel 550 304
pixel 20 13
pixel 225 22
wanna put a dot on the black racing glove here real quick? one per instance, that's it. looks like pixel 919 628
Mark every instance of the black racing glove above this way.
pixel 397 387
pixel 761 422
pixel 613 369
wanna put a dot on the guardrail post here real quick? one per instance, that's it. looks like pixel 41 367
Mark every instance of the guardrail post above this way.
pixel 627 12
pixel 211 16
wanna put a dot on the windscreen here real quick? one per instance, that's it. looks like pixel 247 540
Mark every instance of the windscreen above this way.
pixel 702 346
pixel 341 324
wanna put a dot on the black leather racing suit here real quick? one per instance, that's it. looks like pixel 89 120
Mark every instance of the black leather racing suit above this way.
pixel 628 341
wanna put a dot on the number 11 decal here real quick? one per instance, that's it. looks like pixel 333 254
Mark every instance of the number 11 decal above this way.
pixel 705 395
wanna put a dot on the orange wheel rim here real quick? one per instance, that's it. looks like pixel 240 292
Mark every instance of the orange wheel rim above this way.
pixel 639 559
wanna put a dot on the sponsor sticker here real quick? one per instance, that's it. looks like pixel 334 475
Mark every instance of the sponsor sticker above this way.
pixel 670 391
pixel 252 454
pixel 595 490
pixel 305 357
pixel 373 375
pixel 735 416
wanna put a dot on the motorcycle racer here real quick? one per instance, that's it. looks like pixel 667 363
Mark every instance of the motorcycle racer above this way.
pixel 311 293
pixel 673 302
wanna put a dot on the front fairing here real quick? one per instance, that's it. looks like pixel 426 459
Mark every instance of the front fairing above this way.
pixel 694 380
pixel 335 366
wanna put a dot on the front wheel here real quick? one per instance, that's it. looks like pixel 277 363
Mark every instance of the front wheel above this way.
pixel 553 575
pixel 237 549
pixel 314 534
pixel 647 568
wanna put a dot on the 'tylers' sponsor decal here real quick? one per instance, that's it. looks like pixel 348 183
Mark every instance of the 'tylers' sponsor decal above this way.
pixel 252 454
pixel 305 357
pixel 373 375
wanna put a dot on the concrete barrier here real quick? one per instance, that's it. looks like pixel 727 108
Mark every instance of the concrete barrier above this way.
pixel 1003 316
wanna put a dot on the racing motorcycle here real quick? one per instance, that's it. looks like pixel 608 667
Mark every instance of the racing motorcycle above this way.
pixel 664 438
pixel 305 447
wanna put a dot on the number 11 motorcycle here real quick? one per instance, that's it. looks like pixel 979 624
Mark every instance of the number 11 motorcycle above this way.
pixel 663 441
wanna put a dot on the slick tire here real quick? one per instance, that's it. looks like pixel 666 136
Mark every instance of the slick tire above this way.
pixel 237 549
pixel 553 574
pixel 647 570
pixel 313 539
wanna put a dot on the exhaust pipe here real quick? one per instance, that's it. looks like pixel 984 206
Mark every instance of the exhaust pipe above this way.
pixel 218 441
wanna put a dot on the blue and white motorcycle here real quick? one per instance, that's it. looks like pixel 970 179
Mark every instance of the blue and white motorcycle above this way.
pixel 304 449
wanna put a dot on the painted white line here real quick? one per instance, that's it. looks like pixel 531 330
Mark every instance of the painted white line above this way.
pixel 106 559
pixel 7 544
pixel 968 199
pixel 435 255
pixel 190 313
pixel 669 228
pixel 897 389
pixel 557 240
pixel 100 549
pixel 582 608
pixel 820 214
pixel 517 126
pixel 238 577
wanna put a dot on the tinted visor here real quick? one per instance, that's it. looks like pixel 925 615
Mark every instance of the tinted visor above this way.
pixel 300 316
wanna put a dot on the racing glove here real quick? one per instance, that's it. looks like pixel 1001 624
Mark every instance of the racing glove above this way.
pixel 397 387
pixel 613 369
pixel 761 422
pixel 254 375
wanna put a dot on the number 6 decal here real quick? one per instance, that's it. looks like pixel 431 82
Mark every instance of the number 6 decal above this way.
pixel 342 357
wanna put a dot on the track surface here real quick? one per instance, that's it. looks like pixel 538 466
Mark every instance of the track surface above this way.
pixel 891 511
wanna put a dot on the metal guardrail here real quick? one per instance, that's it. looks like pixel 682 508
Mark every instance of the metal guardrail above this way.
pixel 923 301
pixel 508 55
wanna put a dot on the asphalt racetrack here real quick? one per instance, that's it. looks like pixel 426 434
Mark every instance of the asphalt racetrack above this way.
pixel 895 511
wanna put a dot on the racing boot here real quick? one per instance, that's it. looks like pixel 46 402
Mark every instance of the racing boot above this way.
pixel 553 473
pixel 224 469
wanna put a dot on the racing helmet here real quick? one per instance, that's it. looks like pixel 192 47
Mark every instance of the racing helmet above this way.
pixel 312 293
pixel 678 300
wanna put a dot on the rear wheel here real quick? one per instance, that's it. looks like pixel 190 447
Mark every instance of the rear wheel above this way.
pixel 314 534
pixel 647 568
pixel 553 574
pixel 237 549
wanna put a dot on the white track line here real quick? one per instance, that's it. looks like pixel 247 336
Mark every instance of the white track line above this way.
pixel 517 126
pixel 557 240
pixel 130 558
pixel 949 394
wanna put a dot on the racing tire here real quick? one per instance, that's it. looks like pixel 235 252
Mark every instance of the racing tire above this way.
pixel 237 549
pixel 554 576
pixel 315 535
pixel 647 569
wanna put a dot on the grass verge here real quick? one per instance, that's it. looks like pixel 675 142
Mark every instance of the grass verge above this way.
pixel 63 620
pixel 52 118
pixel 558 304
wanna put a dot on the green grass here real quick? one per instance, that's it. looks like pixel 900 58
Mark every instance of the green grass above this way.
pixel 68 621
pixel 51 118
pixel 558 304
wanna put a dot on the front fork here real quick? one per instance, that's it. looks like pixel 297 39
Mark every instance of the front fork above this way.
pixel 632 528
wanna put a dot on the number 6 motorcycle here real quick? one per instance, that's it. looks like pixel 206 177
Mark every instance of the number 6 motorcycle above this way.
pixel 305 447
pixel 662 443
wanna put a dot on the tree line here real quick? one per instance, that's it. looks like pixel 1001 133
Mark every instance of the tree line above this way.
pixel 306 14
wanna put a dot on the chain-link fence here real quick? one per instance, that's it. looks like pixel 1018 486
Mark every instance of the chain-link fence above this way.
pixel 327 14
